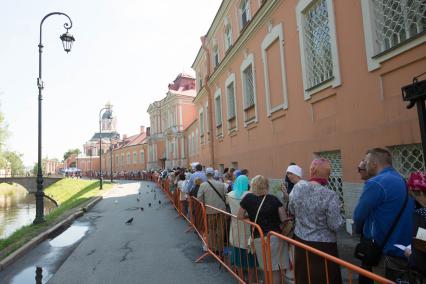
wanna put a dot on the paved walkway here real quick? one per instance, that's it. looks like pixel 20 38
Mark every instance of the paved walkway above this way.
pixel 153 249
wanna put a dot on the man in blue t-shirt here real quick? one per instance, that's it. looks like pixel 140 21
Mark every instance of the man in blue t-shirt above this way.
pixel 378 207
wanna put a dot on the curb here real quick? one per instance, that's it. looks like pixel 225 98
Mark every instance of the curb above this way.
pixel 44 235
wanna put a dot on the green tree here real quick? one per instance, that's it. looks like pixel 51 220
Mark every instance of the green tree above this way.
pixel 43 169
pixel 71 152
pixel 15 161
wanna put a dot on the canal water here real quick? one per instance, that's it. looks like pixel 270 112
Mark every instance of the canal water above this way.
pixel 17 208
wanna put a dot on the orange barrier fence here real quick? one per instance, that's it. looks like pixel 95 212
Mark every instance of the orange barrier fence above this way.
pixel 241 247
pixel 310 265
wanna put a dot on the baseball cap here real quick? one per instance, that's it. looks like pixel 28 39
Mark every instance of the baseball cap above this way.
pixel 295 169
pixel 209 171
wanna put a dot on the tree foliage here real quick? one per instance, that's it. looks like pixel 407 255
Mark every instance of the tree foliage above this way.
pixel 15 161
pixel 71 152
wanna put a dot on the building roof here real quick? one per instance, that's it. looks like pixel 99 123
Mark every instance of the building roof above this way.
pixel 133 140
pixel 105 135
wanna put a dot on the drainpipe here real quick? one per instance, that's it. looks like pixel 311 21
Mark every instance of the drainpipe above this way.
pixel 209 98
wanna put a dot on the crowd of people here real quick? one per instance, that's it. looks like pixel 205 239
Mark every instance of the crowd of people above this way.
pixel 390 217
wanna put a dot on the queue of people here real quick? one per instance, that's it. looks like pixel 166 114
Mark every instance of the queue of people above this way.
pixel 390 215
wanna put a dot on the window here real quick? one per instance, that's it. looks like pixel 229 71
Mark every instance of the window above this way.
pixel 218 108
pixel 128 159
pixel 135 157
pixel 392 27
pixel 200 81
pixel 318 44
pixel 407 158
pixel 122 159
pixel 397 21
pixel 201 123
pixel 215 56
pixel 249 89
pixel 245 13
pixel 230 89
pixel 228 37
pixel 274 70
pixel 142 156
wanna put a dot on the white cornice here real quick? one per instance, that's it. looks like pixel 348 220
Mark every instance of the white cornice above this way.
pixel 256 23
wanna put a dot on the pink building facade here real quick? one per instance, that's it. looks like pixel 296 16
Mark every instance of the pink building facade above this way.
pixel 169 118
pixel 286 81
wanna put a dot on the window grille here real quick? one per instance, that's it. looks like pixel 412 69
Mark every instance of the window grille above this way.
pixel 135 157
pixel 142 157
pixel 245 13
pixel 231 101
pixel 397 21
pixel 319 62
pixel 335 180
pixel 407 158
pixel 228 37
pixel 201 123
pixel 248 87
pixel 218 108
pixel 215 56
pixel 128 158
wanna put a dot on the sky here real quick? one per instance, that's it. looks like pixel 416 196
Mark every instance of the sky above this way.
pixel 125 52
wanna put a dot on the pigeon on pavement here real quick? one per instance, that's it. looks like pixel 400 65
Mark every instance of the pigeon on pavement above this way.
pixel 129 221
pixel 138 199
pixel 159 201
pixel 149 204
pixel 141 208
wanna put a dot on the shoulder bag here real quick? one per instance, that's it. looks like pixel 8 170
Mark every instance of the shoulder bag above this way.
pixel 368 251
pixel 250 241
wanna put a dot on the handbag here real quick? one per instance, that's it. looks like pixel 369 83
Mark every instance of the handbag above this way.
pixel 287 228
pixel 369 251
pixel 250 242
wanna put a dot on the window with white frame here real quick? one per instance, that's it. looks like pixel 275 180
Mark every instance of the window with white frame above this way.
pixel 201 123
pixel 244 13
pixel 200 81
pixel 218 108
pixel 398 20
pixel 319 63
pixel 228 37
pixel 215 56
pixel 135 157
pixel 392 27
pixel 318 42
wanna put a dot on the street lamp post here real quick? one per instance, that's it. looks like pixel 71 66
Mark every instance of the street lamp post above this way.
pixel 108 107
pixel 110 158
pixel 67 41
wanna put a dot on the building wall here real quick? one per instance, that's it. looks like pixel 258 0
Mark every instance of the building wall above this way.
pixel 123 159
pixel 360 107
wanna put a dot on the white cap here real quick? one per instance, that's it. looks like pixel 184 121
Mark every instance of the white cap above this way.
pixel 294 169
pixel 209 171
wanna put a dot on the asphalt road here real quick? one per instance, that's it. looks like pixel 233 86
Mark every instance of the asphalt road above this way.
pixel 153 249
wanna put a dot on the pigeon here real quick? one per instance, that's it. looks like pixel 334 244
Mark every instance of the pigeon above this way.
pixel 141 208
pixel 129 221
pixel 155 196
pixel 139 193
pixel 149 204
pixel 159 201
pixel 115 201
pixel 138 199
